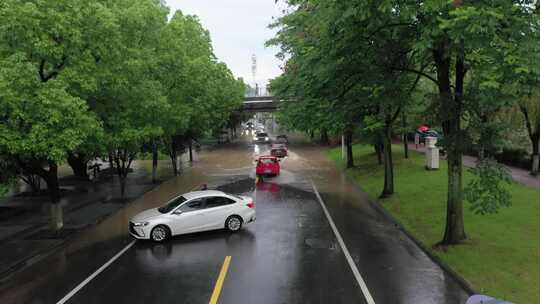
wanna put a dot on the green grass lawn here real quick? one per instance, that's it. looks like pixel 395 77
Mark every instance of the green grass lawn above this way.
pixel 502 254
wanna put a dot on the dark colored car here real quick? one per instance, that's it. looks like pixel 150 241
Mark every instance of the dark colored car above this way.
pixel 249 126
pixel 282 139
pixel 278 151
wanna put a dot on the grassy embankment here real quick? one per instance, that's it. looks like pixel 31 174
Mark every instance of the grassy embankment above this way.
pixel 501 256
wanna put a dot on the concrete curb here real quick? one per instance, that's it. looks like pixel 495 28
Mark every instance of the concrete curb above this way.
pixel 378 206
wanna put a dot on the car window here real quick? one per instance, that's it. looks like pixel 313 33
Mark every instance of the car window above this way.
pixel 172 204
pixel 194 205
pixel 218 201
pixel 266 161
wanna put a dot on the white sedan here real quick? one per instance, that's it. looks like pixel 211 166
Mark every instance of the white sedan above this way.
pixel 194 212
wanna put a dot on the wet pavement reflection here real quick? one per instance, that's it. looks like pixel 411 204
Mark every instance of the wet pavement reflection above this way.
pixel 289 255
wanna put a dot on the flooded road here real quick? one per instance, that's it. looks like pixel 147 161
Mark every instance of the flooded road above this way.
pixel 291 254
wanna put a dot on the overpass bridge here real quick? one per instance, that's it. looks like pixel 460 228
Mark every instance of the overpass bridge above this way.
pixel 259 104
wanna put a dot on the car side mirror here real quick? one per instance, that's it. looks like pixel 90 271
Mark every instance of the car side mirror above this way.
pixel 177 212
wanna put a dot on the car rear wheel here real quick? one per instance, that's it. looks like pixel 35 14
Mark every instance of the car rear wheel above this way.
pixel 160 233
pixel 233 223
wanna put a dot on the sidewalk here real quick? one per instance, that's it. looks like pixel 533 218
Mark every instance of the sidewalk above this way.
pixel 24 233
pixel 518 175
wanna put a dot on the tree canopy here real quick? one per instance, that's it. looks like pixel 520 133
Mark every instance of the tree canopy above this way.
pixel 81 79
pixel 364 61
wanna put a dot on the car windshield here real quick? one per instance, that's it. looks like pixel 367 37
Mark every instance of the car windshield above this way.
pixel 172 204
pixel 267 160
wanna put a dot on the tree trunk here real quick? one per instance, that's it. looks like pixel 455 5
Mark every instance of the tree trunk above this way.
pixel 51 179
pixel 388 188
pixel 348 144
pixel 190 146
pixel 324 137
pixel 79 164
pixel 405 145
pixel 123 186
pixel 174 162
pixel 154 161
pixel 378 150
pixel 455 228
pixel 111 161
pixel 173 156
pixel 311 134
pixel 451 114
pixel 123 159
pixel 534 136
pixel 405 139
pixel 535 154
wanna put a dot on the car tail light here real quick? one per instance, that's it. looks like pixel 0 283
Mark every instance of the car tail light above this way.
pixel 251 205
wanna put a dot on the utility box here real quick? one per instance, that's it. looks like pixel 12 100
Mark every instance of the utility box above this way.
pixel 432 153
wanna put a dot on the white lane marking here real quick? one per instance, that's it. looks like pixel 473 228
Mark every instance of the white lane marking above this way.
pixel 348 257
pixel 93 275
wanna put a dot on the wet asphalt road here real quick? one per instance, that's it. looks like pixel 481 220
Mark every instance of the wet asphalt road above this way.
pixel 289 255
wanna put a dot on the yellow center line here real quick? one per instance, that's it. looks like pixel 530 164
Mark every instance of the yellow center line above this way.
pixel 220 280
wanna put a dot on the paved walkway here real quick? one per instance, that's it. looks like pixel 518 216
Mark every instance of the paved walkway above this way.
pixel 24 233
pixel 519 175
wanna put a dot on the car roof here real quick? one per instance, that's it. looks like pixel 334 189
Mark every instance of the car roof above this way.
pixel 204 193
pixel 267 156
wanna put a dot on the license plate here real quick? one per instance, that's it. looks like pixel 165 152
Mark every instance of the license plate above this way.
pixel 267 171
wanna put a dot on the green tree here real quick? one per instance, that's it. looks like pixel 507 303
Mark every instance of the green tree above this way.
pixel 42 55
pixel 201 91
pixel 131 100
pixel 463 36
pixel 530 109
pixel 335 48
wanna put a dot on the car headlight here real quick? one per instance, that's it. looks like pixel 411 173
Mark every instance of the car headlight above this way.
pixel 142 224
pixel 266 138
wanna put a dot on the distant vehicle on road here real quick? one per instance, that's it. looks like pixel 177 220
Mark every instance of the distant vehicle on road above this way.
pixel 267 165
pixel 278 150
pixel 193 212
pixel 282 139
pixel 249 126
pixel 261 138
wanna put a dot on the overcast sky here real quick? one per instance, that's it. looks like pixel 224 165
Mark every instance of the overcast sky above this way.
pixel 239 29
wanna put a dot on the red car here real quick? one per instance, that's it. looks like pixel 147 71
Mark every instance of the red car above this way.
pixel 278 151
pixel 267 165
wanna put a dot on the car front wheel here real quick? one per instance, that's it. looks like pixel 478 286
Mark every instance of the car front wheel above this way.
pixel 160 233
pixel 233 223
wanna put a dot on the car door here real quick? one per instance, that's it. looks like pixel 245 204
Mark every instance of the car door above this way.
pixel 218 208
pixel 189 216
